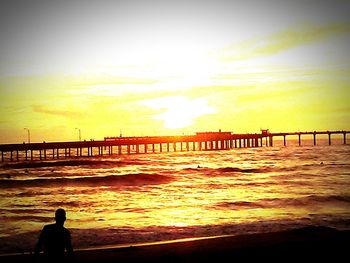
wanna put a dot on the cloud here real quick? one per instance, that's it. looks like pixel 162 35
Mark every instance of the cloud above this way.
pixel 277 74
pixel 281 41
pixel 105 79
pixel 57 112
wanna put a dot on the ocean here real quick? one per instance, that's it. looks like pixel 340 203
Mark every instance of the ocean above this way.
pixel 128 199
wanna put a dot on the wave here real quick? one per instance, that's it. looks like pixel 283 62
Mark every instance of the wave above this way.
pixel 30 218
pixel 228 171
pixel 84 162
pixel 308 200
pixel 238 205
pixel 111 180
pixel 224 170
pixel 286 202
pixel 241 170
pixel 281 171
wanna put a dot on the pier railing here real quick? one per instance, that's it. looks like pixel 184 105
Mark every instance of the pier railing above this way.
pixel 145 144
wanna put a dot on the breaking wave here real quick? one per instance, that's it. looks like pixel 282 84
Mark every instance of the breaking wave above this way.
pixel 241 170
pixel 72 162
pixel 285 202
pixel 111 180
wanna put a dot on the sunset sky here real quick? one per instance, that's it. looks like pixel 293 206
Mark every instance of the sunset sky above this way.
pixel 172 67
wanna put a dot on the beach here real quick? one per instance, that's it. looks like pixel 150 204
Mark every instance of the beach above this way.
pixel 310 243
pixel 116 203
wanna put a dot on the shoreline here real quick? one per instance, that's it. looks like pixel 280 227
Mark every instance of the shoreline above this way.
pixel 298 244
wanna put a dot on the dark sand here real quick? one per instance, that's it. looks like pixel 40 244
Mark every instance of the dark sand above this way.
pixel 301 245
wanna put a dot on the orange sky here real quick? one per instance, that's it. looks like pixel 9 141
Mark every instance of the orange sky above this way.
pixel 172 67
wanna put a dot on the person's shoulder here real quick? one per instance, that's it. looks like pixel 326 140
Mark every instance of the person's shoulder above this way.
pixel 66 230
pixel 47 227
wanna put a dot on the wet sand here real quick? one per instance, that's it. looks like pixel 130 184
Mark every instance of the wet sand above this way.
pixel 311 243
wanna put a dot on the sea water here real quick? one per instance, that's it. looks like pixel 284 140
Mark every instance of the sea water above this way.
pixel 125 199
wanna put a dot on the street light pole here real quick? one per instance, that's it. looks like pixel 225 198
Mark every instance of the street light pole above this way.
pixel 28 133
pixel 79 133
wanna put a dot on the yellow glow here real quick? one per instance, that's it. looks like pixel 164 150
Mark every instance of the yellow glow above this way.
pixel 178 111
pixel 293 78
pixel 282 41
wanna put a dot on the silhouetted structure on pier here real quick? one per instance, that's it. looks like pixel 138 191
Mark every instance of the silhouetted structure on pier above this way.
pixel 134 145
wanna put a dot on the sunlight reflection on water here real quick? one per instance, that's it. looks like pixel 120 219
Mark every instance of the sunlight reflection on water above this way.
pixel 184 189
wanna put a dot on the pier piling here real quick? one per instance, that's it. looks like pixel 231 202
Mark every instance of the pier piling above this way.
pixel 314 138
pixel 344 137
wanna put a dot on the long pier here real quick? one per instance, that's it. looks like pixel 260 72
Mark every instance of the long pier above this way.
pixel 201 141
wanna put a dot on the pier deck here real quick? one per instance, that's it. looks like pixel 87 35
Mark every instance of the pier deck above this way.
pixel 134 145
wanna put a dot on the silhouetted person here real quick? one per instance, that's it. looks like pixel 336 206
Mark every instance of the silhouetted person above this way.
pixel 54 239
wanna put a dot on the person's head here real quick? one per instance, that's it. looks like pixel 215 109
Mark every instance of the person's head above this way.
pixel 60 216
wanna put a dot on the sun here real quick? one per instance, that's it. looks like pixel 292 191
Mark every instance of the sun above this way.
pixel 179 111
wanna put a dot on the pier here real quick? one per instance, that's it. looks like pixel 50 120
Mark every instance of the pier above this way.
pixel 201 141
pixel 314 134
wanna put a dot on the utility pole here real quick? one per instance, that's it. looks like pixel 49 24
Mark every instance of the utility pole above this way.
pixel 79 133
pixel 28 133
